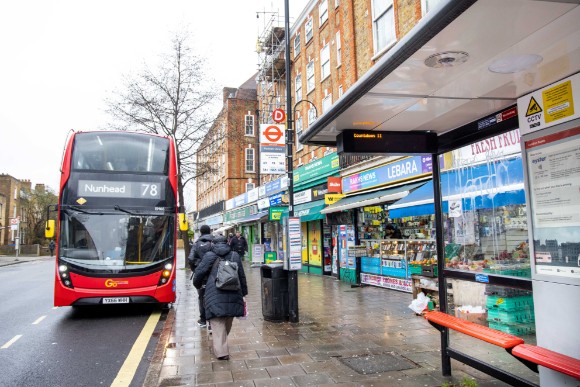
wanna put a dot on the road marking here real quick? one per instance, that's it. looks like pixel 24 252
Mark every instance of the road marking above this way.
pixel 39 320
pixel 8 344
pixel 127 371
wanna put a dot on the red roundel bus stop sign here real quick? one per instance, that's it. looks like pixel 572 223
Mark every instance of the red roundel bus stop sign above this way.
pixel 279 115
pixel 273 133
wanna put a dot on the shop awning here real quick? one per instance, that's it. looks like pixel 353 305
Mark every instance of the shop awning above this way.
pixel 478 187
pixel 310 211
pixel 223 228
pixel 372 198
pixel 253 218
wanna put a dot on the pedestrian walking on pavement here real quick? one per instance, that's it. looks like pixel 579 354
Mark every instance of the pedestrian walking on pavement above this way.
pixel 221 306
pixel 201 246
pixel 239 244
pixel 51 247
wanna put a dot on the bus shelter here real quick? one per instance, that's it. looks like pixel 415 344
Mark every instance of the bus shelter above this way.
pixel 473 80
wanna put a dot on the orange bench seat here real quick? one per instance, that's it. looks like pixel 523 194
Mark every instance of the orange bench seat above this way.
pixel 492 336
pixel 549 359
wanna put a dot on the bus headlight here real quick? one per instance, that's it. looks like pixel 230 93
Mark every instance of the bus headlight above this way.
pixel 165 274
pixel 64 276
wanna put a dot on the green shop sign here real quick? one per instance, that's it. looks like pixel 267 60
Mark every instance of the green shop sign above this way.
pixel 317 169
pixel 238 214
pixel 277 213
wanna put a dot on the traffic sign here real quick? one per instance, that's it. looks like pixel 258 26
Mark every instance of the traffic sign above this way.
pixel 14 220
pixel 279 115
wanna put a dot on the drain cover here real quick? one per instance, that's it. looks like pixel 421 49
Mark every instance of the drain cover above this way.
pixel 372 364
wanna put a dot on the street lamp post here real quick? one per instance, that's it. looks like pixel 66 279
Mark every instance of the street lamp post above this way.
pixel 292 274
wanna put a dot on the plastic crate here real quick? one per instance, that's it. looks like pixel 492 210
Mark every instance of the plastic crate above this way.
pixel 415 269
pixel 511 317
pixel 510 303
pixel 394 272
pixel 429 270
pixel 371 269
pixel 516 329
pixel 502 291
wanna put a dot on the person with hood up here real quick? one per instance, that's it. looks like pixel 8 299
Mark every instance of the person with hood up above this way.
pixel 221 306
pixel 201 246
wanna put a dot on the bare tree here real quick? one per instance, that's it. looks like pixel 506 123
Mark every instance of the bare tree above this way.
pixel 175 99
pixel 34 205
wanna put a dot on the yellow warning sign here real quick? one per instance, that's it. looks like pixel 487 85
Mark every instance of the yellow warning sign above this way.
pixel 558 101
pixel 533 108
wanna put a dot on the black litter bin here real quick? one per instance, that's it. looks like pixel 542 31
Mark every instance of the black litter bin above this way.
pixel 274 292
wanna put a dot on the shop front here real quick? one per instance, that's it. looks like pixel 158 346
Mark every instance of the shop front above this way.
pixel 315 248
pixel 311 185
pixel 367 195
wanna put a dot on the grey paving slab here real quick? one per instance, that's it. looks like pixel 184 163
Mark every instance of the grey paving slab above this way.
pixel 335 322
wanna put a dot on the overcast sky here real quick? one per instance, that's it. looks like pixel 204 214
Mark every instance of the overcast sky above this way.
pixel 61 59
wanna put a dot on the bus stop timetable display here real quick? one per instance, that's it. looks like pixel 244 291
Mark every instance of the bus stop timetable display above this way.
pixel 119 189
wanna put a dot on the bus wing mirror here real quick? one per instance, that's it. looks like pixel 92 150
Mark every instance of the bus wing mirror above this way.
pixel 49 231
pixel 183 224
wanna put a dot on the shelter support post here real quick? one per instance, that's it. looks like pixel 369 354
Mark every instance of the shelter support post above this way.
pixel 437 197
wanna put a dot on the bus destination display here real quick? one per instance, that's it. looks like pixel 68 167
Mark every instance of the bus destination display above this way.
pixel 119 189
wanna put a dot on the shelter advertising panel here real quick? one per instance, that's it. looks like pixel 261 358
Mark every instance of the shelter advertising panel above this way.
pixel 553 163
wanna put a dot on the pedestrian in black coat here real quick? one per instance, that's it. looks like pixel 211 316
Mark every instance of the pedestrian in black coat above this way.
pixel 221 306
pixel 239 244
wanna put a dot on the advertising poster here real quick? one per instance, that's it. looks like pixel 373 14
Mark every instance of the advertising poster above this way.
pixel 294 243
pixel 342 248
pixel 314 243
pixel 304 244
pixel 553 163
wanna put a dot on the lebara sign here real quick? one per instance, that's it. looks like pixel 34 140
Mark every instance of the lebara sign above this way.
pixel 400 170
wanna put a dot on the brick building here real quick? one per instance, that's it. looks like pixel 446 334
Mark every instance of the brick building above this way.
pixel 230 151
pixel 10 205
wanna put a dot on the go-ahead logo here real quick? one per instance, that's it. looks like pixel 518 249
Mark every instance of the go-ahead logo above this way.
pixel 111 283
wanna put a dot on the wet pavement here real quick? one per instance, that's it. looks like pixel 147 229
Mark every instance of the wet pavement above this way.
pixel 361 336
pixel 350 336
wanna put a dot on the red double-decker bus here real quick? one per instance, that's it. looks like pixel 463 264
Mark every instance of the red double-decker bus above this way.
pixel 117 221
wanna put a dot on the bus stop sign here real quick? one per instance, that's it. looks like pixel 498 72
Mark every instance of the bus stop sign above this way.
pixel 279 115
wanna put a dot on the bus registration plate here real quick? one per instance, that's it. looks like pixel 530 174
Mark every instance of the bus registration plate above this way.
pixel 116 300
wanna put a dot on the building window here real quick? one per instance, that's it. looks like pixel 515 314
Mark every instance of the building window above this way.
pixel 249 187
pixel 383 24
pixel 15 193
pixel 338 50
pixel 299 146
pixel 325 62
pixel 428 5
pixel 340 91
pixel 323 11
pixel 298 87
pixel 249 159
pixel 297 44
pixel 336 3
pixel 326 103
pixel 310 76
pixel 311 116
pixel 249 120
pixel 308 29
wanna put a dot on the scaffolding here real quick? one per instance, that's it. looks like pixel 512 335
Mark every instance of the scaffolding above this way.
pixel 272 66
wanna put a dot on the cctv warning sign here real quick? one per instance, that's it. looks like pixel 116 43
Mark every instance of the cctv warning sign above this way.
pixel 552 105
